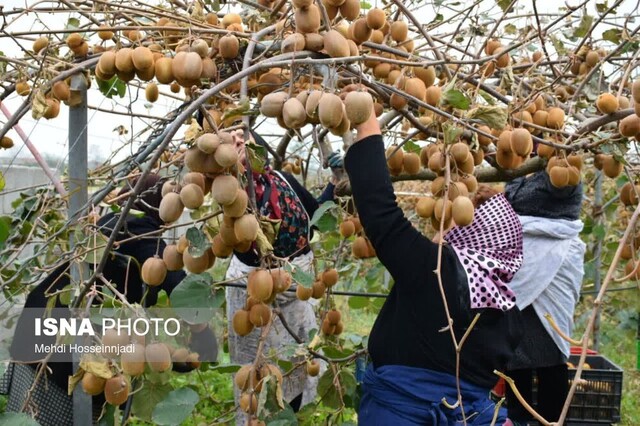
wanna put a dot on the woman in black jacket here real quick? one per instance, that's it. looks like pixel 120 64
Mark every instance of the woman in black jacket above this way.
pixel 413 356
pixel 49 400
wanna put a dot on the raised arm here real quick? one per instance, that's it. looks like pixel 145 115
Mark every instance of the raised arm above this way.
pixel 397 243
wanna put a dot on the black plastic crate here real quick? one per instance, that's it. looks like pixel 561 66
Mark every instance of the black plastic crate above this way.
pixel 597 400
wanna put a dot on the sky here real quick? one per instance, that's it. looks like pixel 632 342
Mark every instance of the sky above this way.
pixel 50 136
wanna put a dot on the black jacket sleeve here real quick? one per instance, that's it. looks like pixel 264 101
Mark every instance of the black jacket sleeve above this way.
pixel 397 243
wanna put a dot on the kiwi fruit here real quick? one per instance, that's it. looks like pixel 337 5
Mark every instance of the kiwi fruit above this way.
pixel 53 109
pixel 555 118
pixel 154 271
pixel 246 377
pixel 197 265
pixel 330 277
pixel 260 315
pixel 116 390
pixel 540 118
pixel 347 229
pixel 172 259
pixel 281 280
pixel 327 328
pixel 260 284
pixel 208 143
pixel 629 126
pixel 333 317
pixel 61 91
pixel 308 19
pixel 225 189
pixel 209 69
pixel 462 211
pixel 521 142
pixel 359 32
pixel 607 103
pixel 635 91
pixel 6 142
pixel 219 248
pixel 433 95
pixel 503 60
pixel 399 31
pixel 142 58
pixel 358 107
pixel 336 44
pixel 241 323
pixel 226 155
pixel 239 205
pixel 92 384
pixel 330 110
pixel 559 176
pixel 442 209
pixel 459 151
pixel 293 43
pixel 273 103
pixel 394 157
pixel 104 33
pixel 171 207
pixel 411 163
pixel 271 370
pixel 40 43
pixel 416 88
pixel 133 362
pixel 545 151
pixel 611 167
pixel 491 46
pixel 574 176
pixel 248 403
pixel 192 196
pixel 112 338
pixel 123 60
pixel 301 4
pixel 228 235
pixel 313 42
pixel 376 18
pixel 158 357
pixel 628 194
pixel 229 46
pixel 318 289
pixel 313 368
pixel 23 88
pixel 350 10
pixel 74 40
pixel 246 228
pixel 294 114
pixel 151 92
pixel 425 207
pixel 304 293
pixel 360 248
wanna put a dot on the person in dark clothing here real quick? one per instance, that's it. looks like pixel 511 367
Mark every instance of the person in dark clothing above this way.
pixel 549 282
pixel 280 197
pixel 49 401
pixel 413 356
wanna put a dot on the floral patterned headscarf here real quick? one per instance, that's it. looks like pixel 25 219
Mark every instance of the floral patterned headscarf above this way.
pixel 490 250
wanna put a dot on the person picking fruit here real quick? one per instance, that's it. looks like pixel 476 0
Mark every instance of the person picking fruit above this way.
pixel 413 356
pixel 279 197
pixel 49 395
pixel 549 282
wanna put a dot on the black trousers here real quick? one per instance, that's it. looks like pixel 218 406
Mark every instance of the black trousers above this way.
pixel 553 387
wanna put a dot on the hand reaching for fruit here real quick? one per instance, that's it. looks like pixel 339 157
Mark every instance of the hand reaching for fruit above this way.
pixel 483 193
pixel 369 127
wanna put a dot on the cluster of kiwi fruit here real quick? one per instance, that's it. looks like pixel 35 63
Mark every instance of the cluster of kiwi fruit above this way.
pixel 361 247
pixel 630 249
pixel 294 167
pixel 630 125
pixel 338 113
pixel 249 379
pixel 586 59
pixel 457 207
pixel 323 281
pixel 332 324
pixel 263 286
pixel 399 161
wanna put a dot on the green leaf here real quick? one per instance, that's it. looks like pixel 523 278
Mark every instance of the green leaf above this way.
pixel 357 302
pixel 323 218
pixel 112 87
pixel 72 23
pixel 176 407
pixel 327 387
pixel 599 231
pixel 257 157
pixel 270 401
pixel 336 353
pixel 198 242
pixel 243 108
pixel 108 416
pixel 411 146
pixel 510 29
pixel 227 369
pixel 504 4
pixel 5 229
pixel 614 35
pixel 17 419
pixel 557 44
pixel 300 276
pixel 603 7
pixel 456 99
pixel 493 116
pixel 2 181
pixel 585 25
pixel 149 395
pixel 194 300
pixel 364 5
